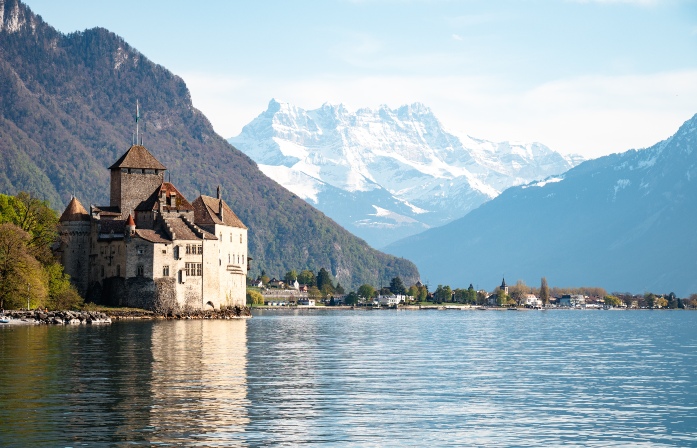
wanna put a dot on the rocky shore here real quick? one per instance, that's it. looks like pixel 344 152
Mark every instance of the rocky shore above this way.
pixel 107 316
pixel 57 317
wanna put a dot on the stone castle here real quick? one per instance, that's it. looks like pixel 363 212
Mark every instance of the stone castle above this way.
pixel 150 247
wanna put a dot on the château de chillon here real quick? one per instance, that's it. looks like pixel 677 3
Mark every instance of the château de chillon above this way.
pixel 152 248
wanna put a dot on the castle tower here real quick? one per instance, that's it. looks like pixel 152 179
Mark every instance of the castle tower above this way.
pixel 134 177
pixel 504 286
pixel 74 232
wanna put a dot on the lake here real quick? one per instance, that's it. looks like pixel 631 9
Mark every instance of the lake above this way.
pixel 358 378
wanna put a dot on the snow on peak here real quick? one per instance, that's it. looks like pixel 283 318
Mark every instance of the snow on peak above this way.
pixel 404 151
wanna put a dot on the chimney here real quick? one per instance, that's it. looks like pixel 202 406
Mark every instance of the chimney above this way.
pixel 218 190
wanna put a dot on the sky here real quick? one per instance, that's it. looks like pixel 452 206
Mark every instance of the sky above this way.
pixel 589 77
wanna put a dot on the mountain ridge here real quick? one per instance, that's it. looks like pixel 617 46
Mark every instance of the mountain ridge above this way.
pixel 67 113
pixel 622 221
pixel 400 169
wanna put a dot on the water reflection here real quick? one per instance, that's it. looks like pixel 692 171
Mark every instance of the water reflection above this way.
pixel 144 382
pixel 382 378
pixel 199 382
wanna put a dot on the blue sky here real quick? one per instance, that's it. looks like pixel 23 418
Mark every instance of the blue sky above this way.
pixel 589 77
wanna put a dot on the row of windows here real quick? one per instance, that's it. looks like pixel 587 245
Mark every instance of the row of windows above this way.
pixel 194 249
pixel 231 259
pixel 221 237
pixel 193 269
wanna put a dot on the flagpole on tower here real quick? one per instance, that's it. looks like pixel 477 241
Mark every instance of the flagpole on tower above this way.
pixel 137 119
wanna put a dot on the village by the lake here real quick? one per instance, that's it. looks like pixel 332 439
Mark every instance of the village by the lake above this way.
pixel 151 249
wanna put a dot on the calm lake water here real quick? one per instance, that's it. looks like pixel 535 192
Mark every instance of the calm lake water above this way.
pixel 358 378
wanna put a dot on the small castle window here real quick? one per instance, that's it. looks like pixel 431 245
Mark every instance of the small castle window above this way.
pixel 139 270
pixel 140 250
pixel 194 269
pixel 240 238
pixel 165 271
pixel 200 249
pixel 176 252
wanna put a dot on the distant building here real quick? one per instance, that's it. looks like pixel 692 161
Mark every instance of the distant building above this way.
pixel 392 300
pixel 305 301
pixel 531 300
pixel 152 248
pixel 572 300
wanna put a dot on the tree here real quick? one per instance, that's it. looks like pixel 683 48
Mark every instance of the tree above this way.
pixel 34 217
pixel 254 297
pixel 519 292
pixel 501 297
pixel 324 281
pixel 413 291
pixel 650 300
pixel 423 293
pixel 471 295
pixel 21 275
pixel 339 289
pixel 290 277
pixel 692 301
pixel 351 298
pixel 612 301
pixel 366 291
pixel 61 294
pixel 314 293
pixel 443 294
pixel 306 277
pixel 544 291
pixel 397 286
pixel 660 302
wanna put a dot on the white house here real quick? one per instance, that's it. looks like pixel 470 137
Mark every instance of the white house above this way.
pixel 392 300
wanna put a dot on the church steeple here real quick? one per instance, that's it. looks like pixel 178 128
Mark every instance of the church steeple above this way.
pixel 504 286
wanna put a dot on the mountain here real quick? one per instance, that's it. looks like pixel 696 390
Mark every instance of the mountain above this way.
pixel 67 106
pixel 625 222
pixel 389 173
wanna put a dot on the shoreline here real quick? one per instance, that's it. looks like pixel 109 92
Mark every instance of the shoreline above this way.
pixel 106 316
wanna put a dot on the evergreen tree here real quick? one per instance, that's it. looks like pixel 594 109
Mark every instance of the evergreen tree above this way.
pixel 544 291
pixel 397 286
pixel 324 281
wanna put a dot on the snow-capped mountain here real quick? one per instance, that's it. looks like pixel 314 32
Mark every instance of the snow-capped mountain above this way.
pixel 625 222
pixel 388 173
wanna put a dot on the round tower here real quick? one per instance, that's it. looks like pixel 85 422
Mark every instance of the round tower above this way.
pixel 74 232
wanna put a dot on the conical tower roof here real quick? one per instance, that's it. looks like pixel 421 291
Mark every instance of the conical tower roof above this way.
pixel 74 212
pixel 138 157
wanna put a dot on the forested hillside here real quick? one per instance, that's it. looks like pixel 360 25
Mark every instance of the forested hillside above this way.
pixel 67 107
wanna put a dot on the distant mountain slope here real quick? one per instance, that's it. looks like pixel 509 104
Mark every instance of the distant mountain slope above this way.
pixel 625 222
pixel 67 105
pixel 388 173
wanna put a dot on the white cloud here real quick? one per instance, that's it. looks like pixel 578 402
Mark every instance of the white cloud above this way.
pixel 457 37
